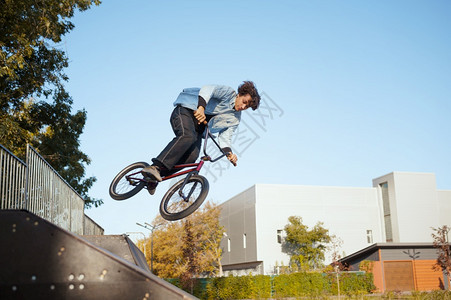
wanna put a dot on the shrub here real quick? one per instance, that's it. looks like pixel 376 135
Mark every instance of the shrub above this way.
pixel 303 284
pixel 352 283
pixel 243 287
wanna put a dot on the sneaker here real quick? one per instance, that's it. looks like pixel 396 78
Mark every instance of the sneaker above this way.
pixel 152 172
pixel 151 187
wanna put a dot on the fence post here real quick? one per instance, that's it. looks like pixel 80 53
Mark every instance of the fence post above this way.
pixel 27 176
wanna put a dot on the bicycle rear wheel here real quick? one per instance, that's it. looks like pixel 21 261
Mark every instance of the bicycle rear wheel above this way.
pixel 174 207
pixel 128 182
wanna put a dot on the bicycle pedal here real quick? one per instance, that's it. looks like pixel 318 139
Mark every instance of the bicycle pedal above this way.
pixel 149 179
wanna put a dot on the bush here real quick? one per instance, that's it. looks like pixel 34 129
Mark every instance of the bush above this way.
pixel 303 284
pixel 243 287
pixel 433 295
pixel 352 283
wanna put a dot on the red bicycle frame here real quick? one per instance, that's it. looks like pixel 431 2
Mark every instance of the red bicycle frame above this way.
pixel 196 167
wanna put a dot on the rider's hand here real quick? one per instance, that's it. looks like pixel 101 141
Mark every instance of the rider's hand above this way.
pixel 232 157
pixel 199 114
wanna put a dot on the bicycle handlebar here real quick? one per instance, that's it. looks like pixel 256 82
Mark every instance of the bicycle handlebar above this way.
pixel 209 135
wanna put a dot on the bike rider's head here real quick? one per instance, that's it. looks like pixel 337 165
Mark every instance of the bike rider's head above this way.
pixel 248 96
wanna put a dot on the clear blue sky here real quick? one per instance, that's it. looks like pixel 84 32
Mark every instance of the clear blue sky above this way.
pixel 357 89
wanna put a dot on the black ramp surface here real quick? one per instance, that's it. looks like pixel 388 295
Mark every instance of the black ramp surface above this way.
pixel 42 261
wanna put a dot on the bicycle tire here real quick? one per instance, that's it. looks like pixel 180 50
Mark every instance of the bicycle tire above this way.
pixel 121 188
pixel 173 207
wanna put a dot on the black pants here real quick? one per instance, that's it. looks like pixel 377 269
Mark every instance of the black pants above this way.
pixel 185 146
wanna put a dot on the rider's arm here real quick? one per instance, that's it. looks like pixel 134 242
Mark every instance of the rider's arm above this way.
pixel 199 113
pixel 225 125
pixel 219 92
pixel 201 102
pixel 224 139
pixel 205 93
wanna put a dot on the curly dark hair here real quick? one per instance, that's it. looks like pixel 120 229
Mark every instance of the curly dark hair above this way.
pixel 248 87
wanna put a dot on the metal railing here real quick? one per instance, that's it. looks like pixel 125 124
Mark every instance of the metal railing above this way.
pixel 35 186
pixel 13 181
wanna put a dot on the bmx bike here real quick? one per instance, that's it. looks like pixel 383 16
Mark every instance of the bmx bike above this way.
pixel 182 198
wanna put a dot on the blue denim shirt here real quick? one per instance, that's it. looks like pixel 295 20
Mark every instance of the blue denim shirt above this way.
pixel 220 103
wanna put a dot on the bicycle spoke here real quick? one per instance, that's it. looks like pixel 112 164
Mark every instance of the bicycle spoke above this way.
pixel 177 203
pixel 129 182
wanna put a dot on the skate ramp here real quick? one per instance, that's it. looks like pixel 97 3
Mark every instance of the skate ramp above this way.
pixel 121 246
pixel 40 260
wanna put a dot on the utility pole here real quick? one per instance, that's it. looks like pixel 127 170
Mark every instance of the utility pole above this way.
pixel 151 228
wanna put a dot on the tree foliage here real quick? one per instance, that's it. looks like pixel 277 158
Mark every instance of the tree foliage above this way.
pixel 305 246
pixel 34 106
pixel 189 253
pixel 190 247
pixel 335 244
pixel 441 243
pixel 31 63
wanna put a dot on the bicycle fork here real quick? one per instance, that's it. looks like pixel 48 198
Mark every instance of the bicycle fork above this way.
pixel 185 182
pixel 181 194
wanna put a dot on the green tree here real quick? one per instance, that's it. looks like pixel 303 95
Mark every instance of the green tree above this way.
pixel 34 106
pixel 305 246
pixel 30 61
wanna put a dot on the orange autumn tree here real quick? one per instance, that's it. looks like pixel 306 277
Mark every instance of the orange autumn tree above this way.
pixel 187 248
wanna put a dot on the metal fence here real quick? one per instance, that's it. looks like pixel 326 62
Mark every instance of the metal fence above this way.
pixel 13 181
pixel 35 186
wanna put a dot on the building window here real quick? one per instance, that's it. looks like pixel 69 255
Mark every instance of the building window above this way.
pixel 369 236
pixel 279 236
pixel 387 213
pixel 228 245
pixel 244 241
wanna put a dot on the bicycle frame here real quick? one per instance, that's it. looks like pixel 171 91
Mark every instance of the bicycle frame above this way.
pixel 194 167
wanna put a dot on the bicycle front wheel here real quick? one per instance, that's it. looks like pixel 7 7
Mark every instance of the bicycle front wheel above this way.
pixel 128 182
pixel 174 207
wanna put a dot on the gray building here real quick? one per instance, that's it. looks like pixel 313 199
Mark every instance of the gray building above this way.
pixel 400 207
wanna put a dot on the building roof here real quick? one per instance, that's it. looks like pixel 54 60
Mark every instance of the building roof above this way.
pixel 374 247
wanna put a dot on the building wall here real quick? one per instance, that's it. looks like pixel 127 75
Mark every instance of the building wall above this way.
pixel 388 208
pixel 409 275
pixel 427 277
pixel 418 208
pixel 411 253
pixel 238 219
pixel 347 212
pixel 253 218
pixel 414 205
pixel 444 200
pixel 378 278
pixel 401 266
